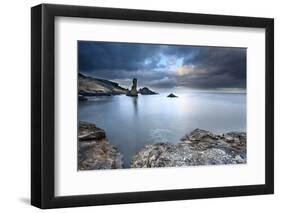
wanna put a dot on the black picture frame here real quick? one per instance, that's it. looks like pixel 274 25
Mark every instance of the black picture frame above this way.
pixel 43 102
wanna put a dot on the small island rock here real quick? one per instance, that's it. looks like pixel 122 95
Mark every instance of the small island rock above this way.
pixel 172 96
pixel 146 91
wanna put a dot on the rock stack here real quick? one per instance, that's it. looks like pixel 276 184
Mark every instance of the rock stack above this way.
pixel 133 92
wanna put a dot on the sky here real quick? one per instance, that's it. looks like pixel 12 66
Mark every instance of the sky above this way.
pixel 164 66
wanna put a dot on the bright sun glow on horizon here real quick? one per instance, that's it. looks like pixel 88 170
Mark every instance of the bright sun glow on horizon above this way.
pixel 184 70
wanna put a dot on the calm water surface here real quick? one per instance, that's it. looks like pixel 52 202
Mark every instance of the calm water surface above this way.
pixel 130 123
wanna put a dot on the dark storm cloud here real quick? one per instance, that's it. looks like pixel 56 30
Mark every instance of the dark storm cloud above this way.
pixel 116 56
pixel 224 68
pixel 165 66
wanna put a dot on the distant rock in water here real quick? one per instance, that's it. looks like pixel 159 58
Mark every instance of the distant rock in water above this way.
pixel 200 147
pixel 94 150
pixel 89 86
pixel 82 98
pixel 172 96
pixel 146 91
pixel 90 94
pixel 133 91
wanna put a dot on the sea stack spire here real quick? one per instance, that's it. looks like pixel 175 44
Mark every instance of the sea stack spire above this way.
pixel 133 91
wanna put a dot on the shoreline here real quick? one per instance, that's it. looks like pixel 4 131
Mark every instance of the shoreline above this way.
pixel 200 147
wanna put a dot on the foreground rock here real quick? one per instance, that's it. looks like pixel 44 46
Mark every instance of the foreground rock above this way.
pixel 94 150
pixel 172 96
pixel 146 91
pixel 200 147
pixel 89 86
pixel 200 135
pixel 133 91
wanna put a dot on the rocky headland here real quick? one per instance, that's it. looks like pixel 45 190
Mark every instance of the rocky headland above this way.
pixel 89 86
pixel 95 151
pixel 200 147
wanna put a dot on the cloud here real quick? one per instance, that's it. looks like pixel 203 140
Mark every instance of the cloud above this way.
pixel 117 56
pixel 165 66
pixel 218 67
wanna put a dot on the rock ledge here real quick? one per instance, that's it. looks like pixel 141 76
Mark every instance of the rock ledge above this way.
pixel 200 147
pixel 94 150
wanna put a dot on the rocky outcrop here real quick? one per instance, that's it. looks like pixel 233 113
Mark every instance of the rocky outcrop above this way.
pixel 94 150
pixel 133 91
pixel 172 96
pixel 146 91
pixel 200 135
pixel 200 147
pixel 89 86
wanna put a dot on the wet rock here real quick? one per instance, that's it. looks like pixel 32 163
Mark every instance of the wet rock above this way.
pixel 95 151
pixel 235 138
pixel 88 131
pixel 146 91
pixel 133 91
pixel 172 96
pixel 199 135
pixel 200 147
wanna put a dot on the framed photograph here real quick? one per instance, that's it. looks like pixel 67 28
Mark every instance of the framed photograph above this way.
pixel 140 106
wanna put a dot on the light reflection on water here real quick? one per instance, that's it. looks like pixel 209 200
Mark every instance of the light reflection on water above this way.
pixel 130 123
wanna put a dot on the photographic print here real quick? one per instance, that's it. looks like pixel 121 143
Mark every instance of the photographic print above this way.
pixel 160 105
pixel 131 95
